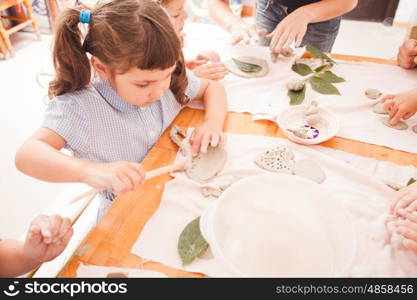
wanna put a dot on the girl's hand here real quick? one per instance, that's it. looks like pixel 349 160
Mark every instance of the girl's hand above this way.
pixel 242 31
pixel 207 134
pixel 407 54
pixel 400 106
pixel 291 28
pixel 408 229
pixel 406 199
pixel 215 71
pixel 209 56
pixel 120 177
pixel 47 237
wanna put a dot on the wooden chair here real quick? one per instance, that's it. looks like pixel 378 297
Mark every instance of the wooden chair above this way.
pixel 24 20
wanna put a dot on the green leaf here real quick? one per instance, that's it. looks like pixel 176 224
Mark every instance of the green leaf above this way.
pixel 411 181
pixel 302 69
pixel 191 243
pixel 331 77
pixel 319 69
pixel 317 53
pixel 323 87
pixel 247 67
pixel 296 98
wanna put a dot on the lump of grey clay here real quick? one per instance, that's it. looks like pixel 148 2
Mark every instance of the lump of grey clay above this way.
pixel 309 169
pixel 399 126
pixel 313 119
pixel 301 132
pixel 414 128
pixel 207 165
pixel 373 93
pixel 379 109
pixel 295 85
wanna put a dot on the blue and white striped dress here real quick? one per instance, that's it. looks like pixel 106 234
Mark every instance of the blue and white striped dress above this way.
pixel 99 126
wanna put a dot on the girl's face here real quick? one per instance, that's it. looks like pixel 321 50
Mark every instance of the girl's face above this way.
pixel 176 11
pixel 143 87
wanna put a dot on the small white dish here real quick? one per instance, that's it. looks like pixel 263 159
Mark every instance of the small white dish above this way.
pixel 294 118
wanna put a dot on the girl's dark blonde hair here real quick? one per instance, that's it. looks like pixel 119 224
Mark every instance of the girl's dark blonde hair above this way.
pixel 122 34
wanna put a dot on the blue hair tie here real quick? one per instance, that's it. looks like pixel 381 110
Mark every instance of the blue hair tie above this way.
pixel 85 16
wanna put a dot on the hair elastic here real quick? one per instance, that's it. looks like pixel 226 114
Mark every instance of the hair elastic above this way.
pixel 85 16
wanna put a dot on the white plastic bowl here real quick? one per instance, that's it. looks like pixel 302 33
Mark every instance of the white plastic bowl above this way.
pixel 294 117
pixel 279 225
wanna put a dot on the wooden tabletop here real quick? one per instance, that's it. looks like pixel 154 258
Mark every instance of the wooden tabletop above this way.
pixel 110 242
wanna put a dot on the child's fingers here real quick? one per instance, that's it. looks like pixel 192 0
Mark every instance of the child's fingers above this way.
pixel 396 117
pixel 205 143
pixel 413 206
pixel 215 139
pixel 408 115
pixel 65 239
pixel 34 236
pixel 121 185
pixel 65 227
pixel 407 233
pixel 403 202
pixel 223 139
pixel 386 97
pixel 196 139
pixel 281 42
pixel 55 221
pixel 412 216
pixel 135 176
pixel 262 31
pixel 410 245
pixel 44 225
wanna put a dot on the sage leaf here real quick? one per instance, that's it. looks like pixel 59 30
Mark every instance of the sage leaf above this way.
pixel 331 77
pixel 323 87
pixel 247 67
pixel 296 98
pixel 302 69
pixel 411 181
pixel 321 68
pixel 191 243
pixel 319 54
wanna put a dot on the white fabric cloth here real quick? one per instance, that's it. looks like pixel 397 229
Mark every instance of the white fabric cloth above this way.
pixel 265 97
pixel 358 180
pixel 86 271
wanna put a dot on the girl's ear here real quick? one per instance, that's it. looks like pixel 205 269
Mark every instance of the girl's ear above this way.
pixel 100 68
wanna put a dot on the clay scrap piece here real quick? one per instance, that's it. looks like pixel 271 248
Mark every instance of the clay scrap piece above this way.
pixel 218 185
pixel 414 128
pixel 207 165
pixel 234 68
pixel 279 159
pixel 314 119
pixel 379 109
pixel 373 93
pixel 309 169
pixel 116 275
pixel 312 108
pixel 399 126
pixel 306 132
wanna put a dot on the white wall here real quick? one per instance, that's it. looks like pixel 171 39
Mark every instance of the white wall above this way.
pixel 406 11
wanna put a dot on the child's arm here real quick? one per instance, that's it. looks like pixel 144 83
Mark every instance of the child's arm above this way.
pixel 400 106
pixel 40 157
pixel 210 131
pixel 46 239
pixel 408 229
